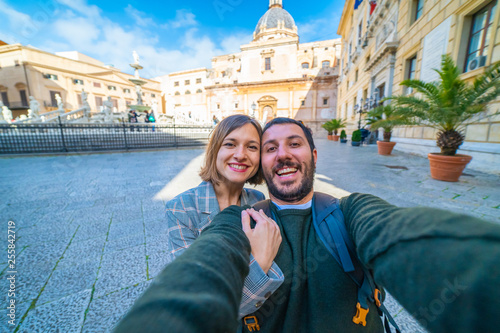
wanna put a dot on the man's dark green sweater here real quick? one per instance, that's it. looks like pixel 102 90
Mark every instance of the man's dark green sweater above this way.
pixel 316 296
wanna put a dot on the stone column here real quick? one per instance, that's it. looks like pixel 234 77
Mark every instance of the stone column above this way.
pixel 314 102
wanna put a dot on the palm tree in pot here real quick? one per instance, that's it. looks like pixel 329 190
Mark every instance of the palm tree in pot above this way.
pixel 333 127
pixel 448 105
pixel 385 117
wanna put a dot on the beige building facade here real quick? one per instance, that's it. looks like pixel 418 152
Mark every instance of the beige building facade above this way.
pixel 272 76
pixel 390 41
pixel 27 71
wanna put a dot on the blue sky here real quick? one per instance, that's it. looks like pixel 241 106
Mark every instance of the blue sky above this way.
pixel 168 35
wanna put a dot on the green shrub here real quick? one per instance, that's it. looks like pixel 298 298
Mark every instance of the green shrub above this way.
pixel 356 136
pixel 343 135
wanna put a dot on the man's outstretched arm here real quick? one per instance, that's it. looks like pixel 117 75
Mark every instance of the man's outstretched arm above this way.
pixel 201 290
pixel 444 268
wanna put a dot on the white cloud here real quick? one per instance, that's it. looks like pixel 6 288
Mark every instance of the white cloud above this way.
pixel 183 18
pixel 140 18
pixel 322 28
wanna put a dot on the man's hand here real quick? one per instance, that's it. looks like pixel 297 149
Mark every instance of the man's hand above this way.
pixel 265 238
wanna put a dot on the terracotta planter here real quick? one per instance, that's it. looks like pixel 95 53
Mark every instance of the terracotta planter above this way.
pixel 335 137
pixel 385 148
pixel 330 137
pixel 447 168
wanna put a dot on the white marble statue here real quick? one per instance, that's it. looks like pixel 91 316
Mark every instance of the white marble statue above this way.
pixel 60 104
pixel 34 110
pixel 154 108
pixel 7 114
pixel 86 105
pixel 136 57
pixel 138 90
pixel 108 110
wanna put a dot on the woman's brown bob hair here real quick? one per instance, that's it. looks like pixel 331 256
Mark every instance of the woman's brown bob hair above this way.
pixel 209 171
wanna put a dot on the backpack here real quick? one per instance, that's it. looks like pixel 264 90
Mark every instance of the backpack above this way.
pixel 328 221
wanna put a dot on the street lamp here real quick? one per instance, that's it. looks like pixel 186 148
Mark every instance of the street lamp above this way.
pixel 370 103
pixel 253 107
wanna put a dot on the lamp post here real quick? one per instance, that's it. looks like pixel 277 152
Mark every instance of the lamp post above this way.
pixel 369 104
pixel 253 107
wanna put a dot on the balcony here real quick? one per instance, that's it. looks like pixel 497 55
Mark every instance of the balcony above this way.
pixel 18 105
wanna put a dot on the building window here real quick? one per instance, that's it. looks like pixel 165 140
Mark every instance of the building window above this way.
pixel 268 64
pixel 78 81
pixel 360 32
pixel 223 73
pixel 24 99
pixel 16 63
pixel 153 95
pixel 417 9
pixel 5 99
pixel 218 106
pixel 128 102
pixel 235 105
pixel 112 88
pixel 177 93
pixel 356 76
pixel 188 92
pixel 51 77
pixel 347 87
pixel 305 65
pixel 304 76
pixel 235 82
pixel 115 103
pixel 187 82
pixel 176 83
pixel 325 101
pixel 199 91
pixel 126 91
pixel 303 102
pixel 325 64
pixel 198 80
pixel 368 59
pixel 477 48
pixel 98 101
pixel 97 85
pixel 53 99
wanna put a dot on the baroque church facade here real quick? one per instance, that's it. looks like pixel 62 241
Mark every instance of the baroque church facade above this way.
pixel 272 76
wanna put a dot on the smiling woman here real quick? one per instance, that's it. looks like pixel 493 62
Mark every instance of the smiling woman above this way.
pixel 232 159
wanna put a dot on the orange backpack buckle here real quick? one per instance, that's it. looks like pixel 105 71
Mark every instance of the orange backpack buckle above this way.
pixel 360 317
pixel 251 323
pixel 376 295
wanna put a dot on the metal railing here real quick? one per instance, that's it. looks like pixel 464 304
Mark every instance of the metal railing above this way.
pixel 64 137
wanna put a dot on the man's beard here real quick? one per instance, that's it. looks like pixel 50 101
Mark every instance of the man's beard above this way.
pixel 292 195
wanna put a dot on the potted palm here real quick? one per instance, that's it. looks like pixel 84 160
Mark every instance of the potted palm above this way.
pixel 385 117
pixel 329 128
pixel 343 137
pixel 448 105
pixel 356 138
pixel 333 126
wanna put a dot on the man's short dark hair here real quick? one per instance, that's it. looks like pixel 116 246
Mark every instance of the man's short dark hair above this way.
pixel 283 120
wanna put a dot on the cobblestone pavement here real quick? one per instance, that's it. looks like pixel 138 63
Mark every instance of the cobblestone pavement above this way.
pixel 90 230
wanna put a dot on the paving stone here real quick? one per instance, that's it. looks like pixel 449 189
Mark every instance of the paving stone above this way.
pixel 156 243
pixel 124 242
pixel 126 228
pixel 104 312
pixel 82 251
pixel 120 269
pixel 69 280
pixel 63 315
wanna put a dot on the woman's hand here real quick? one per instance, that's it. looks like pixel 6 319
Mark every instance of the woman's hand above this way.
pixel 265 238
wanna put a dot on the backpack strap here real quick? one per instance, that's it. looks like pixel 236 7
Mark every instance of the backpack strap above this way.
pixel 330 227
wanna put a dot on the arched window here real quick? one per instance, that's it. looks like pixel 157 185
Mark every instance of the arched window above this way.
pixel 177 93
pixel 325 64
pixel 199 91
pixel 305 65
pixel 188 92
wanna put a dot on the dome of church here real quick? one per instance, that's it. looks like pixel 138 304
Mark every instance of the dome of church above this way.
pixel 273 16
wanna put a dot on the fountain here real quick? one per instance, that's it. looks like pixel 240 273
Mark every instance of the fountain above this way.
pixel 138 85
